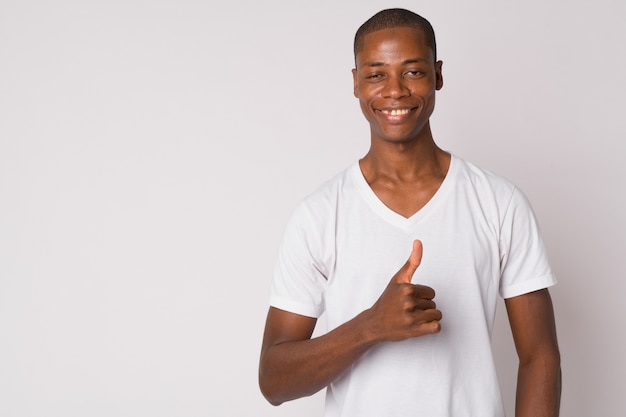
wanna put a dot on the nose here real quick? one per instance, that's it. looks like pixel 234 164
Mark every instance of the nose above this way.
pixel 395 87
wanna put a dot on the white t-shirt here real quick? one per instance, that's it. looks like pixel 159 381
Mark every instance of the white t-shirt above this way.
pixel 341 247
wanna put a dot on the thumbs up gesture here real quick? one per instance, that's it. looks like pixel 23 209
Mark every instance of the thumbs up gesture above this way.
pixel 405 310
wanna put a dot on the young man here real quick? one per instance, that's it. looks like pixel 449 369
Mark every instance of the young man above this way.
pixel 469 235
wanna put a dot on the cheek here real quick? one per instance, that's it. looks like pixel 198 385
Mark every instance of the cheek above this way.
pixel 424 96
pixel 429 97
pixel 365 108
pixel 366 98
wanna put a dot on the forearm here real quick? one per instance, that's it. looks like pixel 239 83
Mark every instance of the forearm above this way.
pixel 301 368
pixel 539 387
pixel 293 365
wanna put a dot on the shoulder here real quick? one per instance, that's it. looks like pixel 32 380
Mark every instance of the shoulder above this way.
pixel 325 198
pixel 494 193
pixel 483 178
pixel 314 217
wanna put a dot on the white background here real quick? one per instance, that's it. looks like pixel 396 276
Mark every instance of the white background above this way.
pixel 151 151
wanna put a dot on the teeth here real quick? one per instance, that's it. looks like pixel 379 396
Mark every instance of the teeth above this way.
pixel 396 112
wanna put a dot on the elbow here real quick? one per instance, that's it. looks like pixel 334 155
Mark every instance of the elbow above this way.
pixel 268 382
pixel 547 362
pixel 275 403
pixel 554 365
pixel 553 358
pixel 272 399
pixel 269 396
pixel 268 391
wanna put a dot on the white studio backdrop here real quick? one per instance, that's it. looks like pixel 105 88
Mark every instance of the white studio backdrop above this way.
pixel 150 153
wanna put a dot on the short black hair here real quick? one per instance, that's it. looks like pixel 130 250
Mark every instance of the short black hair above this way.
pixel 393 18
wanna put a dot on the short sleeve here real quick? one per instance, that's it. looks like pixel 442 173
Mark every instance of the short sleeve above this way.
pixel 300 273
pixel 524 262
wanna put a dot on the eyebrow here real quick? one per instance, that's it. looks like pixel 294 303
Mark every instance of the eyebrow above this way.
pixel 405 62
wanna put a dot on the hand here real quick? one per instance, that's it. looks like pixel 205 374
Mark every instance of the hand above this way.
pixel 406 310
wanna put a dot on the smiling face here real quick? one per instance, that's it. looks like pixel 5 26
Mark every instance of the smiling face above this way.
pixel 395 81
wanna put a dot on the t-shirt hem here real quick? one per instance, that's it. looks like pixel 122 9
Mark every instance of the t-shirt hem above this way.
pixel 528 286
pixel 295 307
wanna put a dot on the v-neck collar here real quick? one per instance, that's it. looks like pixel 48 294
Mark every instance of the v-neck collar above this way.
pixel 395 218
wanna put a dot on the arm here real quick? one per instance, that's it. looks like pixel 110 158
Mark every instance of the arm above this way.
pixel 532 323
pixel 293 365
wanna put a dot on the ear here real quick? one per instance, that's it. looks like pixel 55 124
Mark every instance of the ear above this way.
pixel 356 83
pixel 438 75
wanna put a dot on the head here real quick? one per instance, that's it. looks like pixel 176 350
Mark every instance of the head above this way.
pixel 396 76
pixel 393 18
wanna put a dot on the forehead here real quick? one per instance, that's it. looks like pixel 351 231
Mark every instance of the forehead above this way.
pixel 392 44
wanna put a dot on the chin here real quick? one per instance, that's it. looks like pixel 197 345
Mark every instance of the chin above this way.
pixel 401 135
pixel 398 138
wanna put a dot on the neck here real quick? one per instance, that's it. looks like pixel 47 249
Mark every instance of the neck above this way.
pixel 405 161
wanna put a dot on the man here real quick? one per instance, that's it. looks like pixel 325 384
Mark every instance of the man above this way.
pixel 468 234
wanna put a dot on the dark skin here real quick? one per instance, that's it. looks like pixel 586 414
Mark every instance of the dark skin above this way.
pixel 293 365
pixel 395 80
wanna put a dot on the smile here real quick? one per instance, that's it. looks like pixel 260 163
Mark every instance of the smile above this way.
pixel 395 112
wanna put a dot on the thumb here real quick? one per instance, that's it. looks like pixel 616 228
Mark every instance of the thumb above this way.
pixel 405 274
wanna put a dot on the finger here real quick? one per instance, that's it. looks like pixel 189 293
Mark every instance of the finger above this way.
pixel 423 291
pixel 416 255
pixel 405 274
pixel 431 315
pixel 427 304
pixel 432 327
pixel 429 322
pixel 435 314
pixel 424 304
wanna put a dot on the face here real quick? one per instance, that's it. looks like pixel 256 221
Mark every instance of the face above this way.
pixel 395 81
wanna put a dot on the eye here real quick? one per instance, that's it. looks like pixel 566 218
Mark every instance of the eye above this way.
pixel 414 74
pixel 374 76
